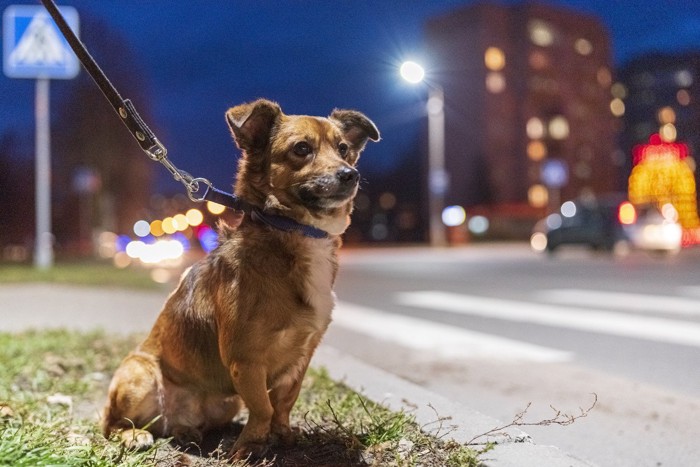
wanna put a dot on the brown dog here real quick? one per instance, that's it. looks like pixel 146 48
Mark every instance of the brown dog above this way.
pixel 244 321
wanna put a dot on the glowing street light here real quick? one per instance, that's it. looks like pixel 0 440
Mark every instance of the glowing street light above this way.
pixel 438 180
pixel 412 72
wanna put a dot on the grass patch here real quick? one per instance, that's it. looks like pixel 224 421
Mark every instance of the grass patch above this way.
pixel 92 273
pixel 53 383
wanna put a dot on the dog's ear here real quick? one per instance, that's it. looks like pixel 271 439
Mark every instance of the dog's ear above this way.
pixel 356 127
pixel 251 123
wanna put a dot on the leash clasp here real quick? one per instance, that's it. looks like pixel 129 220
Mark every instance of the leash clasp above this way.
pixel 192 187
pixel 159 153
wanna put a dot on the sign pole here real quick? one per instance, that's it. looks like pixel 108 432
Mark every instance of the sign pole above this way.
pixel 43 251
pixel 34 47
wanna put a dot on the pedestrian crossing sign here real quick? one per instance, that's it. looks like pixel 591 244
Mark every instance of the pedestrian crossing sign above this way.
pixel 34 47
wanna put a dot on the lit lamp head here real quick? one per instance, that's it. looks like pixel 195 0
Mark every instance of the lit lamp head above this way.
pixel 412 72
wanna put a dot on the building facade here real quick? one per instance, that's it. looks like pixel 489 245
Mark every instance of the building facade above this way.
pixel 527 106
pixel 661 94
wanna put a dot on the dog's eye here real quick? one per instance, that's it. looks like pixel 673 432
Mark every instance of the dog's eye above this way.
pixel 343 150
pixel 302 149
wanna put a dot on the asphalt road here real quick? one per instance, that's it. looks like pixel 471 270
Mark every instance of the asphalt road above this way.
pixel 498 327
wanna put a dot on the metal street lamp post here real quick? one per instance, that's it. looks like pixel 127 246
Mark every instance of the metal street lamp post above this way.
pixel 438 180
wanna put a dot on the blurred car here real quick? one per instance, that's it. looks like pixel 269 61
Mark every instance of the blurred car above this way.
pixel 609 225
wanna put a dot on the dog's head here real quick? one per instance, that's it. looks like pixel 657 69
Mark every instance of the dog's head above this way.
pixel 300 166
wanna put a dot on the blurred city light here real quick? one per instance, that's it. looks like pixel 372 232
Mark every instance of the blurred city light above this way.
pixel 538 241
pixel 627 214
pixel 478 225
pixel 568 209
pixel 215 208
pixel 207 238
pixel 553 221
pixel 153 253
pixel 142 228
pixel 194 217
pixel 452 216
pixel 157 228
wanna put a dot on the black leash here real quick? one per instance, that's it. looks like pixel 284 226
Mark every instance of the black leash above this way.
pixel 155 149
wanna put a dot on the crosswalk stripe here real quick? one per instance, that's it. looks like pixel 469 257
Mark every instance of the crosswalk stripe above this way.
pixel 621 301
pixel 441 339
pixel 600 321
pixel 691 290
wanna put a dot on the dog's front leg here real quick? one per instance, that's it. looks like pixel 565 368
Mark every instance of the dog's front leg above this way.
pixel 250 381
pixel 283 398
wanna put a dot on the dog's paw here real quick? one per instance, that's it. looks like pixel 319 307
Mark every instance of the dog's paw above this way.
pixel 249 451
pixel 135 439
pixel 187 436
pixel 284 435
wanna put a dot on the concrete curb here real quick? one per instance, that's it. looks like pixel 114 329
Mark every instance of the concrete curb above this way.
pixel 514 448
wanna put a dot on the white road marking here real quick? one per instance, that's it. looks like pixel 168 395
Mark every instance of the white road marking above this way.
pixel 621 301
pixel 691 290
pixel 441 339
pixel 600 321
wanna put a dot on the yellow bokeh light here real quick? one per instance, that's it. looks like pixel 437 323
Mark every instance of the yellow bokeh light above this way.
pixel 180 222
pixel 538 196
pixel 536 150
pixel 157 228
pixel 534 128
pixel 194 217
pixel 494 59
pixel 215 208
pixel 559 127
pixel 583 46
pixel 168 226
pixel 666 115
pixel 495 82
pixel 668 133
pixel 627 213
pixel 617 107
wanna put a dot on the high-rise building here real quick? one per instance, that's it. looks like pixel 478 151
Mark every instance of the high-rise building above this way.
pixel 661 94
pixel 527 105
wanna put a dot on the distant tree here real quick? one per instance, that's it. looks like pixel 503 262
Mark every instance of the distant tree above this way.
pixel 102 178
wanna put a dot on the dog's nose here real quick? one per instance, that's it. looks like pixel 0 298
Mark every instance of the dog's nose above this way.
pixel 347 175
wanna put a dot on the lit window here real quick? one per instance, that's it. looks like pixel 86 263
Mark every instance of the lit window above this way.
pixel 494 59
pixel 683 97
pixel 666 115
pixel 559 127
pixel 683 78
pixel 618 90
pixel 495 82
pixel 668 133
pixel 536 150
pixel 540 33
pixel 535 128
pixel 617 107
pixel 583 46
pixel 604 77
pixel 538 60
pixel 538 196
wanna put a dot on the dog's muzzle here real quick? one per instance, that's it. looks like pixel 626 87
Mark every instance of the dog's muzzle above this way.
pixel 329 191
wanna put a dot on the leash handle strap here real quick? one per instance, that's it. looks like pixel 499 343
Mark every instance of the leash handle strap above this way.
pixel 124 107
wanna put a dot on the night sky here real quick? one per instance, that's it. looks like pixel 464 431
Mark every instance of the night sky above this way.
pixel 197 58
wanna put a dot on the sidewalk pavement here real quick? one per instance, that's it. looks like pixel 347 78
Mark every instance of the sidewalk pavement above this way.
pixel 40 306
